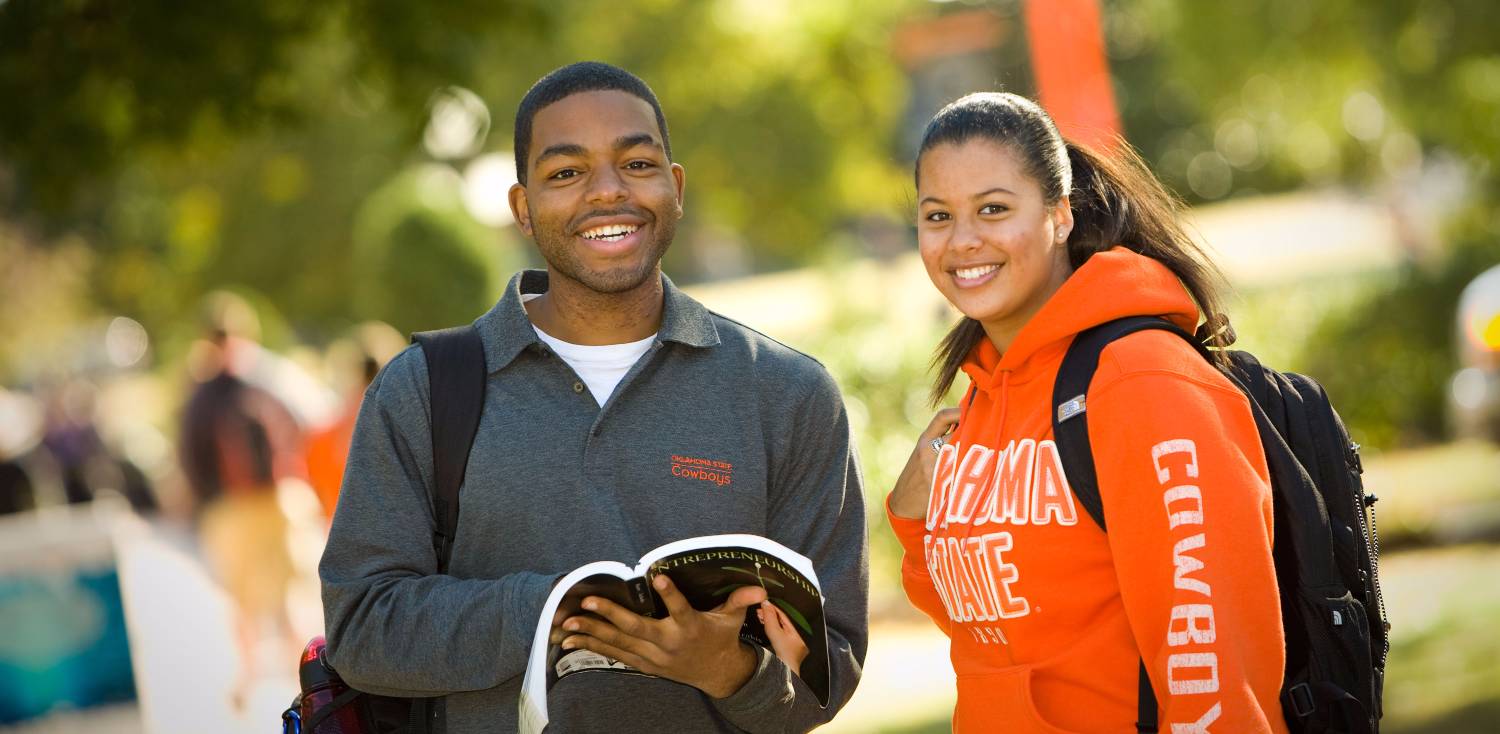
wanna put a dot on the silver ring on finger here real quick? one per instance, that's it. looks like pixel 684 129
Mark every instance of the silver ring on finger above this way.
pixel 937 445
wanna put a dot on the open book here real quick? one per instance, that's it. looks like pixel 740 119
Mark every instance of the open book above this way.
pixel 706 570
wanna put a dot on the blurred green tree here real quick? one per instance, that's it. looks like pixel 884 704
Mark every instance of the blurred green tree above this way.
pixel 1387 361
pixel 235 143
pixel 1247 97
pixel 421 261
pixel 1233 99
pixel 91 84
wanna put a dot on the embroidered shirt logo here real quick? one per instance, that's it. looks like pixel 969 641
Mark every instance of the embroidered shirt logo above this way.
pixel 706 470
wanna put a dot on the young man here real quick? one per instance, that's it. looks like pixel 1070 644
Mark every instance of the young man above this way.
pixel 602 377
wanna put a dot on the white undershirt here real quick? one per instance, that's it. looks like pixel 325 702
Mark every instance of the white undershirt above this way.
pixel 600 367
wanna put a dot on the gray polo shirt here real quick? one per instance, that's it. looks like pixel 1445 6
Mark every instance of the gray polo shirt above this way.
pixel 555 481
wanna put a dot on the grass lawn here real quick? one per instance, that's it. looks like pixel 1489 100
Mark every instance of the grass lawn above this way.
pixel 1444 669
pixel 1437 495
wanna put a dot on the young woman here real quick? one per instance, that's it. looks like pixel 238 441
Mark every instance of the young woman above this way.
pixel 1051 619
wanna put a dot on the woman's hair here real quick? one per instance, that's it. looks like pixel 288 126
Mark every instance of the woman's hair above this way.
pixel 1114 198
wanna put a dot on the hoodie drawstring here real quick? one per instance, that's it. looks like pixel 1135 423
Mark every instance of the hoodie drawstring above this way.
pixel 1004 401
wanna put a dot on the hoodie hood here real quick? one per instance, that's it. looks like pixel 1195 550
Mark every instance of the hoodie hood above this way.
pixel 1110 285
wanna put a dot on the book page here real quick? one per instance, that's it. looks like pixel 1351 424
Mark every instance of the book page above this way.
pixel 607 579
pixel 796 560
pixel 708 570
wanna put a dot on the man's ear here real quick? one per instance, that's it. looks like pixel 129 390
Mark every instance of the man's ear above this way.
pixel 680 177
pixel 519 208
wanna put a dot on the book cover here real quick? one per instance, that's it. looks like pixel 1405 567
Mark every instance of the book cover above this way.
pixel 706 570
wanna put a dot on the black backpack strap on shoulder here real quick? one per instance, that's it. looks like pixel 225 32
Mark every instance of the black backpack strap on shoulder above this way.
pixel 1070 428
pixel 1145 704
pixel 455 379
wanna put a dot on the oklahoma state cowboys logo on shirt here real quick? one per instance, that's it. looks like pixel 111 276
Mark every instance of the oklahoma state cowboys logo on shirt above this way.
pixel 716 472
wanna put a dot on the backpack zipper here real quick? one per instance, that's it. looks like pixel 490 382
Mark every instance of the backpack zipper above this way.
pixel 1366 503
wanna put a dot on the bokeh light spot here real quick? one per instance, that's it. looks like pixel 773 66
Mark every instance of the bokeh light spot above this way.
pixel 458 125
pixel 1364 116
pixel 125 341
pixel 1469 387
pixel 1208 175
pixel 487 183
pixel 1239 142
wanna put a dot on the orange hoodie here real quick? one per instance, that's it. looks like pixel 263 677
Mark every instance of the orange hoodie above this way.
pixel 1048 616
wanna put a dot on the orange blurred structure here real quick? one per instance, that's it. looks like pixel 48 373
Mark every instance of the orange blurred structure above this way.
pixel 1072 74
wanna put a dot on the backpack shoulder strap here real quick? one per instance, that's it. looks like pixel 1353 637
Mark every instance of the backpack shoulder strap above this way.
pixel 455 380
pixel 1070 428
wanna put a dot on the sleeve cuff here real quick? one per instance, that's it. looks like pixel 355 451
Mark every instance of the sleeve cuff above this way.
pixel 523 601
pixel 769 688
pixel 910 531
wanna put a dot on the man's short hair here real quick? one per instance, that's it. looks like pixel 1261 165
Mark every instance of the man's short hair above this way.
pixel 583 76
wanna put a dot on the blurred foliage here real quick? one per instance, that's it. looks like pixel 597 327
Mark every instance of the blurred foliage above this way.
pixel 160 151
pixel 885 387
pixel 1246 97
pixel 89 84
pixel 236 143
pixel 1231 99
pixel 99 85
pixel 1387 361
pixel 1275 321
pixel 414 234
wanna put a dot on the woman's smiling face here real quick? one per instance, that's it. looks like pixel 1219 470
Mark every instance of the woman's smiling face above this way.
pixel 991 243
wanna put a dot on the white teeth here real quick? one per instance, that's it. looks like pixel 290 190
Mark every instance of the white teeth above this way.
pixel 976 272
pixel 610 232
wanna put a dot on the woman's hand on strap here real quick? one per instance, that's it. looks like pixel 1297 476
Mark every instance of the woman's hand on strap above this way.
pixel 909 498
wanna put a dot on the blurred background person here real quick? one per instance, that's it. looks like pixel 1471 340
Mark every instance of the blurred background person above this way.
pixel 352 363
pixel 52 452
pixel 20 430
pixel 242 452
pixel 73 447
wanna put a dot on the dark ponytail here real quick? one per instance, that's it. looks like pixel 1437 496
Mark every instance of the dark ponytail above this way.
pixel 1115 200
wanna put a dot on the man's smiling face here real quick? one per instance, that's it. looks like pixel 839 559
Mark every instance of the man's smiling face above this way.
pixel 601 199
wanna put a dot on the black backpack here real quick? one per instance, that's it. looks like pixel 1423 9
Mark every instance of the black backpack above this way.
pixel 1326 549
pixel 455 379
